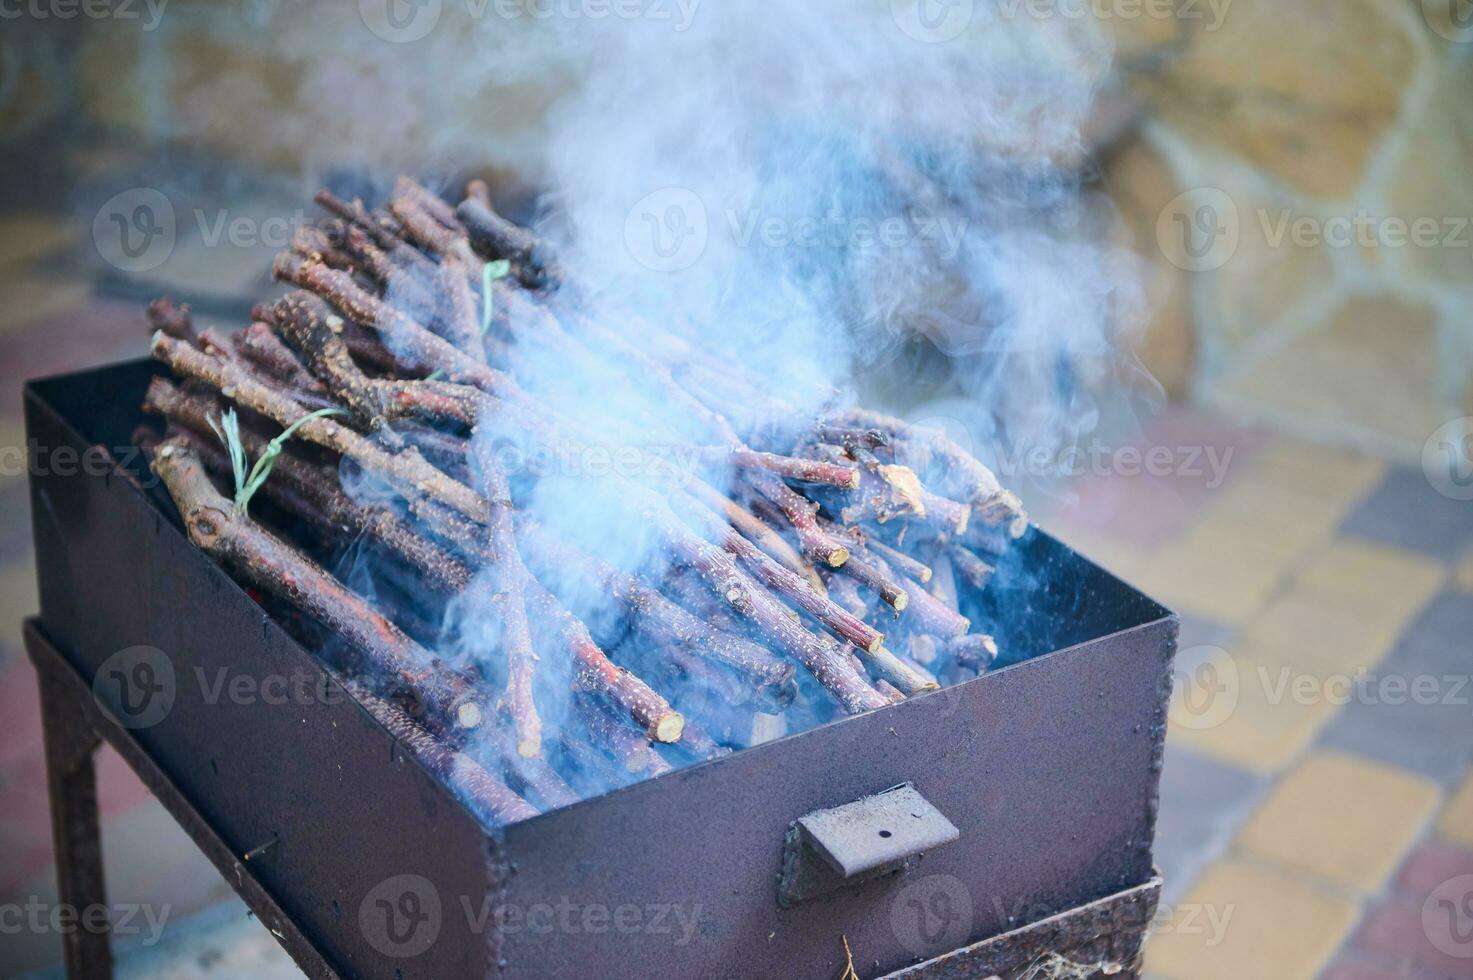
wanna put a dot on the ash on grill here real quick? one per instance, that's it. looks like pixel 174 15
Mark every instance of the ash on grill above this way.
pixel 831 543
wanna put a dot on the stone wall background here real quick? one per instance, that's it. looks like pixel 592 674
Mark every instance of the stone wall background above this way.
pixel 1298 183
pixel 1302 187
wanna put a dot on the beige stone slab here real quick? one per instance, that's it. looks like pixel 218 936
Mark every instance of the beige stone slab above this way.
pixel 24 298
pixel 1305 90
pixel 1392 577
pixel 1321 471
pixel 12 451
pixel 1215 572
pixel 1323 632
pixel 1248 708
pixel 1241 921
pixel 1465 574
pixel 18 598
pixel 1367 366
pixel 1342 819
pixel 1456 823
pixel 26 236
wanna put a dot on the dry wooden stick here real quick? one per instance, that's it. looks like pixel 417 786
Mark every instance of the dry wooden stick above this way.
pixel 758 531
pixel 867 571
pixel 976 572
pixel 259 343
pixel 992 503
pixel 977 650
pixel 596 672
pixel 823 657
pixel 408 338
pixel 913 567
pixel 834 617
pixel 492 799
pixel 220 530
pixel 172 318
pixel 654 611
pixel 321 496
pixel 507 599
pixel 801 512
pixel 308 323
pixel 628 746
pixel 406 471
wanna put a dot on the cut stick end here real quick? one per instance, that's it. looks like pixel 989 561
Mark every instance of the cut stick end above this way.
pixel 877 644
pixel 468 715
pixel 669 728
pixel 838 556
pixel 529 749
pixel 900 601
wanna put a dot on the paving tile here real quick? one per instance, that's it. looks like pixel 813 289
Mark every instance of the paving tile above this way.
pixel 1464 576
pixel 26 299
pixel 1437 639
pixel 1197 631
pixel 1324 632
pixel 1341 819
pixel 1430 865
pixel 1375 573
pixel 1413 711
pixel 1456 823
pixel 1277 927
pixel 98 333
pixel 1405 511
pixel 1203 803
pixel 1334 474
pixel 25 833
pixel 224 940
pixel 12 454
pixel 1286 519
pixel 20 712
pixel 18 600
pixel 1215 574
pixel 1358 971
pixel 1240 707
pixel 1414 937
pixel 29 235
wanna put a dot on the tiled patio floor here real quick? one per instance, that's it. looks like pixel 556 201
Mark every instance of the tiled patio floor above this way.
pixel 1317 805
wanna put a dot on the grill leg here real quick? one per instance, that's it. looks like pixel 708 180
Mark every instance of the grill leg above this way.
pixel 72 782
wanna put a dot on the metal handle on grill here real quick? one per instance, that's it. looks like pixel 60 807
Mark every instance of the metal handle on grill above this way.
pixel 873 836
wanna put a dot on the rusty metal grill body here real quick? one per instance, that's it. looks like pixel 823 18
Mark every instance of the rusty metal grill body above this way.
pixel 1047 768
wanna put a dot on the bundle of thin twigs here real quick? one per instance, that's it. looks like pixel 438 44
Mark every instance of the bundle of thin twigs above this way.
pixel 835 544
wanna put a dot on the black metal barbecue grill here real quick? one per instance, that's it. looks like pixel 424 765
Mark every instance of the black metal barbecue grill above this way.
pixel 975 830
